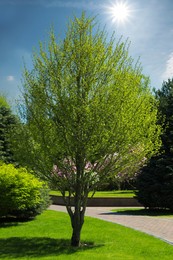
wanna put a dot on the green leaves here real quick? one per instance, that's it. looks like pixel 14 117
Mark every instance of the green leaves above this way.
pixel 22 194
pixel 86 99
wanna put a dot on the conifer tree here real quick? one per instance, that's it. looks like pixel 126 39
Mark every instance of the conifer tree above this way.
pixel 155 182
pixel 7 122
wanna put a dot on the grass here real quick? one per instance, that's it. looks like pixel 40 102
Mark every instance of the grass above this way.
pixel 106 194
pixel 144 212
pixel 48 237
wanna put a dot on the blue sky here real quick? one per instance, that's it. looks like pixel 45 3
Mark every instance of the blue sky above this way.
pixel 23 23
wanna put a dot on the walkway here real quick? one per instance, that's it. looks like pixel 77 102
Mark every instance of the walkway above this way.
pixel 159 227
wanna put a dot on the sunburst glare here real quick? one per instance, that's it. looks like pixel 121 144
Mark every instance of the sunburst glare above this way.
pixel 120 12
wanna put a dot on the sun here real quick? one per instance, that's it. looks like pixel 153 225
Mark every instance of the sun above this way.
pixel 120 12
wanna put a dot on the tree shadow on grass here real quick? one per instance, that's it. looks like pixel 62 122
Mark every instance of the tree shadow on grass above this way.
pixel 15 247
pixel 12 221
pixel 141 212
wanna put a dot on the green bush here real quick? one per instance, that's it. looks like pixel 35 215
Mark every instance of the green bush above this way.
pixel 22 195
pixel 155 184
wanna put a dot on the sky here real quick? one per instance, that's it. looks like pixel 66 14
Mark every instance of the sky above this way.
pixel 23 23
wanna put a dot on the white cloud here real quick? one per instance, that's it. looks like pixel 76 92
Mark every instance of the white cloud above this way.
pixel 168 73
pixel 10 78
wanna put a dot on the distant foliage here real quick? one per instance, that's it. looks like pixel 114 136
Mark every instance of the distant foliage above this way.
pixel 22 194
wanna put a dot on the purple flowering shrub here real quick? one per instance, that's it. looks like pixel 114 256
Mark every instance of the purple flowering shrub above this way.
pixel 65 176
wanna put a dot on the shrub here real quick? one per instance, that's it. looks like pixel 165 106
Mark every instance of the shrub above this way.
pixel 155 184
pixel 21 194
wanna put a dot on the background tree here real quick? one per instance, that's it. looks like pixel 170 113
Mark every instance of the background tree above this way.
pixel 88 112
pixel 7 122
pixel 155 182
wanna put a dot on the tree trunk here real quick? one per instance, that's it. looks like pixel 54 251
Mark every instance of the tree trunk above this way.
pixel 77 217
pixel 75 239
pixel 77 221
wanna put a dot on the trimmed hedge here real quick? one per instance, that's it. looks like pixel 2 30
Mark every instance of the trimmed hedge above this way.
pixel 22 195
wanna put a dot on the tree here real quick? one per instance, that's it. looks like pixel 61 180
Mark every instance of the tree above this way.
pixel 165 98
pixel 155 182
pixel 88 112
pixel 7 122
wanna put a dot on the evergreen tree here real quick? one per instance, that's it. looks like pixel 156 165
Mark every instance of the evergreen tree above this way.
pixel 7 122
pixel 155 182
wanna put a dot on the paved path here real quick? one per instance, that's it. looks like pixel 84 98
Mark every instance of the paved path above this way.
pixel 159 227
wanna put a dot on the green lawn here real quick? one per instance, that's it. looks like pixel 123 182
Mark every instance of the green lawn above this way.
pixel 109 194
pixel 144 212
pixel 48 237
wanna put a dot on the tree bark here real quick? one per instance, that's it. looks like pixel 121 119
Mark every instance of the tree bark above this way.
pixel 77 221
pixel 75 239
